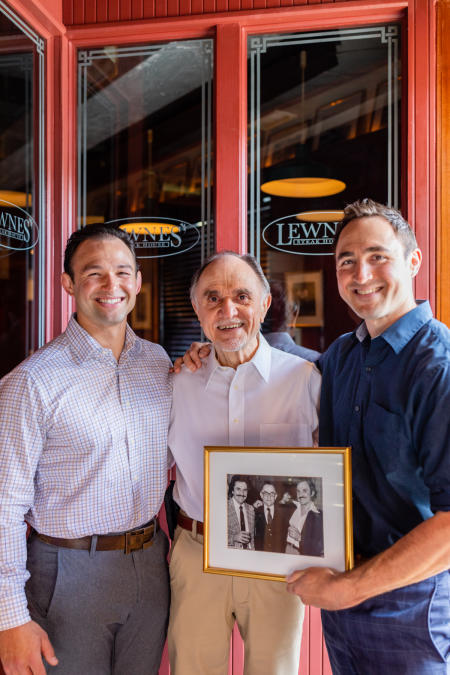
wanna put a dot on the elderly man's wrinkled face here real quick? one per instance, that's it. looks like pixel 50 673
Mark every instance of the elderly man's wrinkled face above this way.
pixel 231 304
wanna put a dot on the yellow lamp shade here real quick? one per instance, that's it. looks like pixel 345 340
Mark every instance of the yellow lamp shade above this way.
pixel 320 216
pixel 303 187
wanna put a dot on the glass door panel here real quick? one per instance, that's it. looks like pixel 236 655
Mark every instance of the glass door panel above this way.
pixel 324 130
pixel 21 190
pixel 145 158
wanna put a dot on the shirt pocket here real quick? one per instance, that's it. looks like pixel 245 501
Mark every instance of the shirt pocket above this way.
pixel 385 437
pixel 291 435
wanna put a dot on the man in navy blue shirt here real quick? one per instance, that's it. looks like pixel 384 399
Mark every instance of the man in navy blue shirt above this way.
pixel 386 392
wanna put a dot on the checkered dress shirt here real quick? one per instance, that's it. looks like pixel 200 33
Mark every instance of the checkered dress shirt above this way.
pixel 83 447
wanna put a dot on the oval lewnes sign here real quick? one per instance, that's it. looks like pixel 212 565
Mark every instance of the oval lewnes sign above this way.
pixel 307 233
pixel 18 230
pixel 159 237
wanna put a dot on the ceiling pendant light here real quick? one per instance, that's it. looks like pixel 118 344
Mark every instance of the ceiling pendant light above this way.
pixel 302 178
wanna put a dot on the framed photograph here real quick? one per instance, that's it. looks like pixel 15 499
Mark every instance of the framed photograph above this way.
pixel 270 511
pixel 305 289
pixel 141 316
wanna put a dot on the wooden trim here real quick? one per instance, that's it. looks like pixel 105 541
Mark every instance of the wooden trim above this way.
pixel 253 21
pixel 79 13
pixel 230 176
pixel 443 162
pixel 65 172
pixel 421 168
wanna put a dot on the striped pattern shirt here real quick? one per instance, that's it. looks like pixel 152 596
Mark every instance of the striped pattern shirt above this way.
pixel 83 447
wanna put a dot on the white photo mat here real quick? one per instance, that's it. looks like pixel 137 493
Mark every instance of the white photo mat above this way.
pixel 330 466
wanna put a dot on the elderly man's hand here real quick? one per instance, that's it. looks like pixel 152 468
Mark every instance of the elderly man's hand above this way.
pixel 192 359
pixel 323 587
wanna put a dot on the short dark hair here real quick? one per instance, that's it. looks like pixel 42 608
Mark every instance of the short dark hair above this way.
pixel 236 479
pixel 367 208
pixel 95 231
pixel 249 259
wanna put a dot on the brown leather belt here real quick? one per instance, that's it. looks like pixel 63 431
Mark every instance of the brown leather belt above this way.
pixel 186 523
pixel 134 540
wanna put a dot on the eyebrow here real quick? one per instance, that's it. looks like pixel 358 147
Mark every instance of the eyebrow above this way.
pixel 236 291
pixel 97 266
pixel 369 249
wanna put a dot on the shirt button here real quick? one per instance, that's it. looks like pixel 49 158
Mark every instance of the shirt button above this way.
pixel 235 420
pixel 235 387
pixel 356 408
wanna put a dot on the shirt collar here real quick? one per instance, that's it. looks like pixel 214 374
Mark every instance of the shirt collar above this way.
pixel 260 360
pixel 400 333
pixel 85 346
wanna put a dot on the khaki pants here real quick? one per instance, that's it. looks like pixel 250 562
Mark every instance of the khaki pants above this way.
pixel 205 606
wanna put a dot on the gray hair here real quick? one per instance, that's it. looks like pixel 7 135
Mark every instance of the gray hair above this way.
pixel 249 259
pixel 367 208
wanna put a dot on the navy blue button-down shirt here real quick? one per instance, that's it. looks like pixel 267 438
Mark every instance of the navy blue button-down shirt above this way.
pixel 389 398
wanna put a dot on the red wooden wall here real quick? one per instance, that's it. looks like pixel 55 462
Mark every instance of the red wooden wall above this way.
pixel 81 12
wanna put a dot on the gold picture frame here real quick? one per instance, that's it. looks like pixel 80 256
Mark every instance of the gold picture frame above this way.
pixel 324 539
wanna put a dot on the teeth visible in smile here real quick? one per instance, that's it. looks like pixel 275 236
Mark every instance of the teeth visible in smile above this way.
pixel 367 291
pixel 110 301
pixel 231 325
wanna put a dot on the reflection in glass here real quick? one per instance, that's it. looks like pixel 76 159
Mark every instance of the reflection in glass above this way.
pixel 324 130
pixel 145 163
pixel 21 186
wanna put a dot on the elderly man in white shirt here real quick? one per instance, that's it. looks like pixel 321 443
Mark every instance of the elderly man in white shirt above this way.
pixel 246 394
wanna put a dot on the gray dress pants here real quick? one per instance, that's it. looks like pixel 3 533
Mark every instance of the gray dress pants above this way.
pixel 105 612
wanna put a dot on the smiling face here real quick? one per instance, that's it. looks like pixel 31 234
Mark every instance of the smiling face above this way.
pixel 374 276
pixel 268 494
pixel 231 304
pixel 304 495
pixel 104 284
pixel 240 491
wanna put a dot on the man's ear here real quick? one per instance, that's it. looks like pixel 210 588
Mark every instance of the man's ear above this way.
pixel 415 261
pixel 67 283
pixel 194 307
pixel 265 305
pixel 138 281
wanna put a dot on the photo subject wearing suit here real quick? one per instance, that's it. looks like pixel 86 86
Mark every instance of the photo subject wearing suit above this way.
pixel 241 516
pixel 271 522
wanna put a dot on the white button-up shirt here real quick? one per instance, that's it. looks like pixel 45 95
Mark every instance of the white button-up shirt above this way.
pixel 272 400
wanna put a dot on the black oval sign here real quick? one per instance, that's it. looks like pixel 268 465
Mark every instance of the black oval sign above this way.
pixel 297 235
pixel 18 230
pixel 159 237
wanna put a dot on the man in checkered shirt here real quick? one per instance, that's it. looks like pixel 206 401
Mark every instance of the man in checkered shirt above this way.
pixel 83 441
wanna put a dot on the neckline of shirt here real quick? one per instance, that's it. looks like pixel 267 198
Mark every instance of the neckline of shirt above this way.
pixel 261 360
pixel 403 330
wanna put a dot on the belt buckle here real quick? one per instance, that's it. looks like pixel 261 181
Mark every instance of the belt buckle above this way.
pixel 134 540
